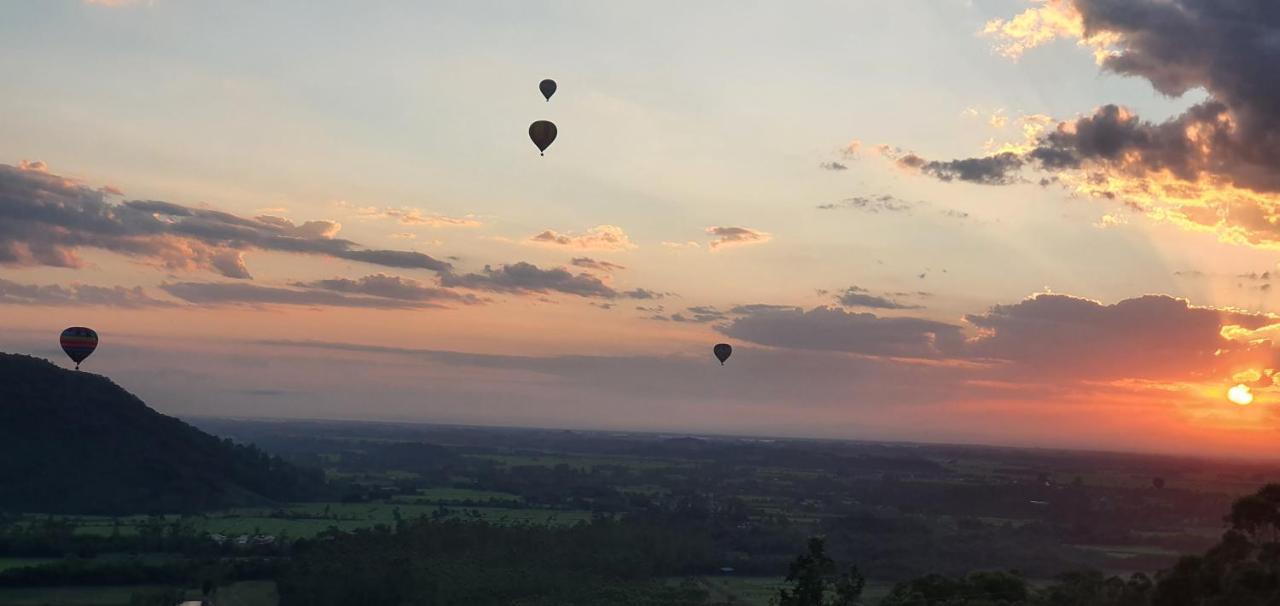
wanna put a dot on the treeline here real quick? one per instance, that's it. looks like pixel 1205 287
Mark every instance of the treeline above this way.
pixel 55 537
pixel 1243 569
pixel 185 572
pixel 475 563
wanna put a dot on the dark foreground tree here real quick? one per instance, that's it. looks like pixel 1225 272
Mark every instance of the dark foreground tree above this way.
pixel 814 581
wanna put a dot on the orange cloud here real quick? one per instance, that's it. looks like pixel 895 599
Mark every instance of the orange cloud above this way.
pixel 600 237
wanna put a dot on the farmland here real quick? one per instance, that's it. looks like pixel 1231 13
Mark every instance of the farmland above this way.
pixel 897 510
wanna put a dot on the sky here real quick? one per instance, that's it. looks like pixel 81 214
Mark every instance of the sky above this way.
pixel 1026 222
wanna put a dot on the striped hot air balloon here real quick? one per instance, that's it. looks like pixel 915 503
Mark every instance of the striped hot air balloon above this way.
pixel 79 342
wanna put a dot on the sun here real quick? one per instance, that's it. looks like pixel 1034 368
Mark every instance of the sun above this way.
pixel 1240 394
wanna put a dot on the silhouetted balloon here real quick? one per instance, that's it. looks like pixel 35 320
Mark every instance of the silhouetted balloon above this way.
pixel 79 342
pixel 542 133
pixel 723 351
pixel 548 88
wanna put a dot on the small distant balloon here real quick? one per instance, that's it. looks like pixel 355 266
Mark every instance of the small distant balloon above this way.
pixel 79 342
pixel 543 133
pixel 723 351
pixel 548 88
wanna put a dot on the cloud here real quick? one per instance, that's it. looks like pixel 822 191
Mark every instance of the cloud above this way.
pixel 886 203
pixel 596 264
pixel 1155 337
pixel 644 294
pixel 1214 167
pixel 1046 338
pixel 834 329
pixel 1036 26
pixel 999 169
pixel 414 216
pixel 754 308
pixel 698 314
pixel 736 236
pixel 14 293
pixel 245 293
pixel 389 287
pixel 525 277
pixel 689 244
pixel 46 219
pixel 600 237
pixel 833 165
pixel 854 296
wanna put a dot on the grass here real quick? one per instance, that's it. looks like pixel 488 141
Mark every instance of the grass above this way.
pixel 248 593
pixel 310 519
pixel 1129 551
pixel 10 563
pixel 585 463
pixel 450 495
pixel 749 591
pixel 73 596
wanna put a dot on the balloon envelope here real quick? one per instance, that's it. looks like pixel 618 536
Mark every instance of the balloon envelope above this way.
pixel 723 351
pixel 542 133
pixel 79 342
pixel 548 88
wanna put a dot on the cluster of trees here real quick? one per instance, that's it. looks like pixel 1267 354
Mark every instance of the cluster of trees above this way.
pixel 1242 570
pixel 55 537
pixel 475 563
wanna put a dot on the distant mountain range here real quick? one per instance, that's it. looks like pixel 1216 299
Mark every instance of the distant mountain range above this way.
pixel 74 442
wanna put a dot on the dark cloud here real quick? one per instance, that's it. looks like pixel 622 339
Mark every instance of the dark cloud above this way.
pixel 833 165
pixel 834 329
pixel 245 293
pixel 596 264
pixel 1000 169
pixel 699 314
pixel 1043 339
pixel 887 203
pixel 859 297
pixel 45 219
pixel 735 236
pixel 14 293
pixel 643 293
pixel 755 308
pixel 389 287
pixel 1217 164
pixel 1153 336
pixel 525 277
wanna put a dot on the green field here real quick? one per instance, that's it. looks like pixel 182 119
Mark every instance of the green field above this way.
pixel 7 563
pixel 248 593
pixel 586 463
pixel 450 495
pixel 310 519
pixel 73 596
pixel 245 593
pixel 749 591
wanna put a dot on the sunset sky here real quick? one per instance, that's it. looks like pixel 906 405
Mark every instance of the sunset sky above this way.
pixel 1048 223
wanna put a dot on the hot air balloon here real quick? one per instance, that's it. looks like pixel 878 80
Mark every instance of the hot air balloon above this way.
pixel 542 133
pixel 79 342
pixel 722 351
pixel 548 88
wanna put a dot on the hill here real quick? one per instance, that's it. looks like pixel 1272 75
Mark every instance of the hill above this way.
pixel 75 442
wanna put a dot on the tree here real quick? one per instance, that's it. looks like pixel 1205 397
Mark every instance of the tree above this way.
pixel 813 577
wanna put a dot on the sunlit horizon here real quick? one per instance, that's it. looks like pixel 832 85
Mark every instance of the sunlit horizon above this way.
pixel 955 222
